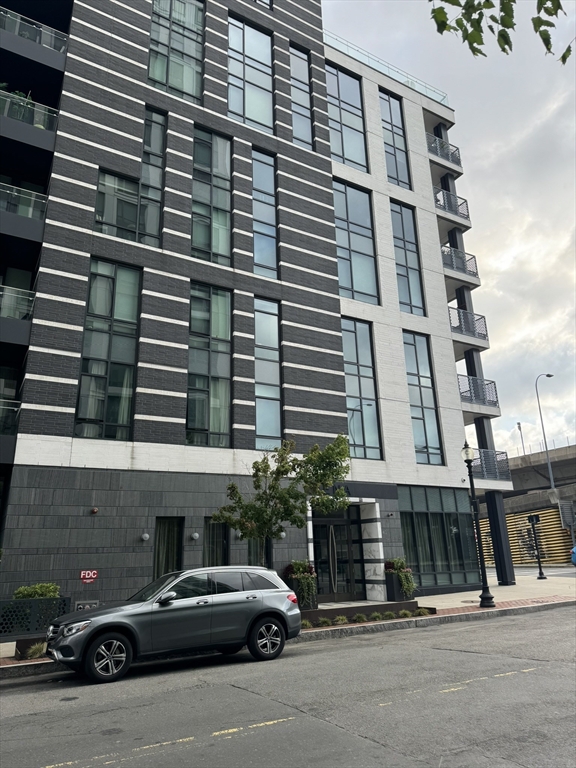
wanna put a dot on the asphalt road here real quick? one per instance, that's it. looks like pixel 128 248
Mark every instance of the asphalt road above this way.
pixel 498 693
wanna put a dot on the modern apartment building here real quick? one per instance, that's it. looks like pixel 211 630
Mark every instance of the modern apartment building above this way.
pixel 222 227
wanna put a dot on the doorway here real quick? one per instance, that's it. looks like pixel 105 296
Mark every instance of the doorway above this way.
pixel 338 556
pixel 169 539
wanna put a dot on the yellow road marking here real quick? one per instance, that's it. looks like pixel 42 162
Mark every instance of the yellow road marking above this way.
pixel 506 674
pixel 529 670
pixel 473 680
pixel 230 730
pixel 154 746
pixel 447 690
pixel 188 738
pixel 385 705
pixel 271 722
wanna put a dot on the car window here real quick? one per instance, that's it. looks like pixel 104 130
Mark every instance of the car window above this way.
pixel 227 582
pixel 153 589
pixel 192 586
pixel 260 582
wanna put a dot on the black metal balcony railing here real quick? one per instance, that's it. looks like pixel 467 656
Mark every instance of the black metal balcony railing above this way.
pixel 22 202
pixel 477 391
pixel 27 111
pixel 16 303
pixel 459 261
pixel 468 323
pixel 31 30
pixel 491 465
pixel 443 149
pixel 9 410
pixel 450 203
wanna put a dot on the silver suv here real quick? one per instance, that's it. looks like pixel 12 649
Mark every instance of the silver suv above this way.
pixel 220 609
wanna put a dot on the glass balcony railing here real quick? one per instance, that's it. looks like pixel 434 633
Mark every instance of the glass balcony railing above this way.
pixel 459 261
pixel 31 30
pixel 27 111
pixel 477 391
pixel 443 149
pixel 491 465
pixel 450 203
pixel 468 323
pixel 16 303
pixel 22 202
pixel 9 411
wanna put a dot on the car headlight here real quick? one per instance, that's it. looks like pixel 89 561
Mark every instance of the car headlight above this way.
pixel 73 629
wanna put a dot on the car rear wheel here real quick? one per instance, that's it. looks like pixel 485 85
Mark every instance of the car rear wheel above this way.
pixel 267 639
pixel 230 650
pixel 108 658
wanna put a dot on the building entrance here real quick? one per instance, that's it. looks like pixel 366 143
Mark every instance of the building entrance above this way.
pixel 338 557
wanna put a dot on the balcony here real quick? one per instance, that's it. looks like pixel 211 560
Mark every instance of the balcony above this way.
pixel 22 212
pixel 491 465
pixel 468 323
pixel 15 24
pixel 16 303
pixel 443 149
pixel 477 391
pixel 26 111
pixel 9 410
pixel 459 261
pixel 452 204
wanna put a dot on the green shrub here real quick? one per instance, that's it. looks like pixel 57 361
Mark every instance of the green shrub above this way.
pixel 340 620
pixel 421 612
pixel 376 616
pixel 404 614
pixel 359 618
pixel 36 651
pixel 37 590
pixel 387 615
pixel 324 621
pixel 306 624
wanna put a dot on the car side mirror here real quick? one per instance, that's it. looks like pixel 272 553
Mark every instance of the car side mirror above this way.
pixel 167 597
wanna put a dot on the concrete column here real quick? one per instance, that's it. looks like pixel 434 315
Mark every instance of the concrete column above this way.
pixel 500 540
pixel 373 551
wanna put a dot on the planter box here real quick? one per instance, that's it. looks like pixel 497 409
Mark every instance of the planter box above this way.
pixel 394 590
pixel 20 619
pixel 311 604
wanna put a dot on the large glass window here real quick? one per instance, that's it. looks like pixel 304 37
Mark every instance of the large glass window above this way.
pixel 267 367
pixel 355 244
pixel 407 259
pixel 423 408
pixel 168 545
pixel 109 353
pixel 208 420
pixel 264 214
pixel 249 75
pixel 345 118
pixel 394 140
pixel 361 400
pixel 300 94
pixel 176 43
pixel 211 197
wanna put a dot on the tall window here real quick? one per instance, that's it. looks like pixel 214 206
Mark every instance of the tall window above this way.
pixel 267 366
pixel 216 545
pixel 249 75
pixel 208 420
pixel 211 198
pixel 109 353
pixel 394 140
pixel 361 401
pixel 300 94
pixel 346 118
pixel 176 42
pixel 152 184
pixel 407 259
pixel 355 244
pixel 423 409
pixel 264 214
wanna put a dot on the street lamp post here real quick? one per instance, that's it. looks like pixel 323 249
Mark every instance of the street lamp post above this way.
pixel 550 473
pixel 486 599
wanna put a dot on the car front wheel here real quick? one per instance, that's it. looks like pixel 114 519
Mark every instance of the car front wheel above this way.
pixel 108 658
pixel 267 639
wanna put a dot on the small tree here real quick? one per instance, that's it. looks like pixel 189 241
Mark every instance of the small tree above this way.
pixel 283 484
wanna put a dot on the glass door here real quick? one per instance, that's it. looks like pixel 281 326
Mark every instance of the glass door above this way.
pixel 334 550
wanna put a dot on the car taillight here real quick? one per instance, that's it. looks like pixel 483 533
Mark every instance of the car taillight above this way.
pixel 293 599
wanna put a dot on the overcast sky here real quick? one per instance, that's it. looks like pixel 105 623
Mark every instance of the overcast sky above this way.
pixel 515 126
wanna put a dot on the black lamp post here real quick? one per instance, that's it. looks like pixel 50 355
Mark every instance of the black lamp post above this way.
pixel 486 599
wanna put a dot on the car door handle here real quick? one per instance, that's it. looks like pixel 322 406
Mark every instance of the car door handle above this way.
pixel 251 597
pixel 202 602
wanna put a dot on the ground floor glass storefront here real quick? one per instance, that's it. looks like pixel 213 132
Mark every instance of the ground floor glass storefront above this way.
pixel 438 536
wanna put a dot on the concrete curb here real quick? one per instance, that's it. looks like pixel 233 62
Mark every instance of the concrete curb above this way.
pixel 48 669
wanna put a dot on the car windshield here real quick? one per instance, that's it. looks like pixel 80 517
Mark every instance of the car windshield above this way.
pixel 153 589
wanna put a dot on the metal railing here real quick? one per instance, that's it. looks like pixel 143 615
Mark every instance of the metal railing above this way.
pixel 31 30
pixel 491 465
pixel 22 202
pixel 477 391
pixel 9 412
pixel 443 149
pixel 16 302
pixel 27 111
pixel 468 323
pixel 30 618
pixel 450 203
pixel 459 261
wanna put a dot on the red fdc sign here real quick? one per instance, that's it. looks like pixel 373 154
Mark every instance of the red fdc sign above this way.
pixel 88 576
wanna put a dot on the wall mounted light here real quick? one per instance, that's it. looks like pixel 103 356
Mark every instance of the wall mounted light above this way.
pixel 283 535
pixel 145 536
pixel 238 535
pixel 94 511
pixel 195 536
